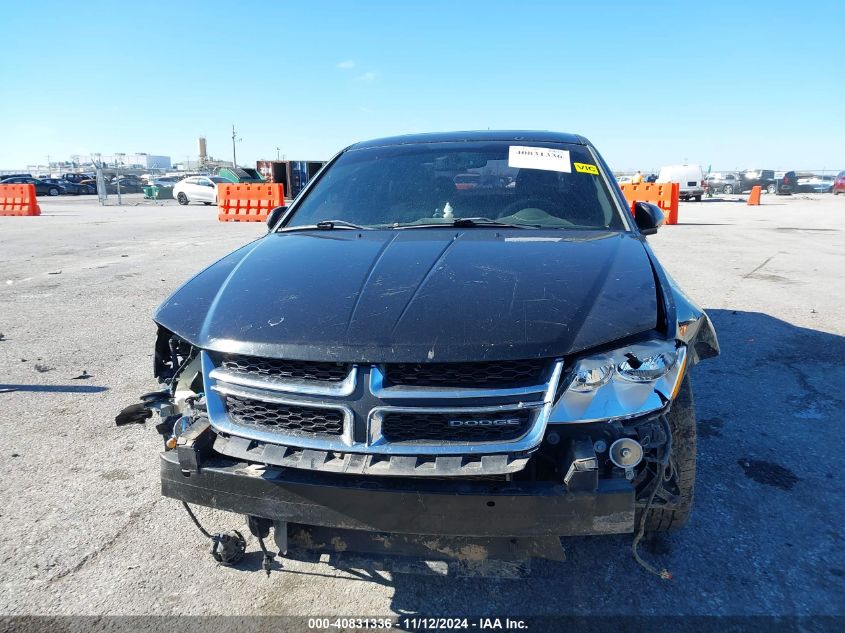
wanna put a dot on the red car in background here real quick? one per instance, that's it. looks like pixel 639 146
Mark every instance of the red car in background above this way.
pixel 839 183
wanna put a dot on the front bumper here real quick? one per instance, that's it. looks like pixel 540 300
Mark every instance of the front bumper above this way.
pixel 458 507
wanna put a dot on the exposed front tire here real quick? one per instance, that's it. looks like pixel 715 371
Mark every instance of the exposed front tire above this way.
pixel 682 424
pixel 182 198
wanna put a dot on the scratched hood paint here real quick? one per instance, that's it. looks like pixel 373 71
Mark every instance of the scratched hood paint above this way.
pixel 418 295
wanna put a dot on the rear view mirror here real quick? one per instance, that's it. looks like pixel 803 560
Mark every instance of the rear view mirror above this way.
pixel 648 217
pixel 274 217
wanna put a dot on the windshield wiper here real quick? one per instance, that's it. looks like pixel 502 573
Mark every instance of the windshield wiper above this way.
pixel 328 225
pixel 463 222
pixel 468 223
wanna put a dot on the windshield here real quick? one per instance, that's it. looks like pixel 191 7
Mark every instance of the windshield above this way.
pixel 538 185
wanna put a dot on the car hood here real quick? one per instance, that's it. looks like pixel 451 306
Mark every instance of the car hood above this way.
pixel 418 295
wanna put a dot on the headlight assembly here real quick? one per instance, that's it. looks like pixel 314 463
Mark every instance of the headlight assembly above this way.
pixel 646 369
pixel 620 384
pixel 587 380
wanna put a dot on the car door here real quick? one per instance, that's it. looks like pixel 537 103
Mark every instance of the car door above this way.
pixel 40 188
pixel 205 190
pixel 190 188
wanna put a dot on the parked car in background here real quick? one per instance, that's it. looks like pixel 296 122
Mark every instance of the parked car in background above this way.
pixel 41 188
pixel 839 183
pixel 816 184
pixel 464 182
pixel 724 182
pixel 198 189
pixel 79 178
pixel 165 181
pixel 127 185
pixel 10 175
pixel 786 183
pixel 690 179
pixel 763 177
pixel 72 187
pixel 622 180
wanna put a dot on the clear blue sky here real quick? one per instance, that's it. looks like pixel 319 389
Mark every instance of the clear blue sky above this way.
pixel 732 84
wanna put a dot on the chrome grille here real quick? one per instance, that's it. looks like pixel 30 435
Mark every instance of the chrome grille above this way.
pixel 491 375
pixel 301 414
pixel 284 417
pixel 454 427
pixel 285 369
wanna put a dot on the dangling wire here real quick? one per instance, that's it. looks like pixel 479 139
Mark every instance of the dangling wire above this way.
pixel 196 521
pixel 665 574
pixel 267 563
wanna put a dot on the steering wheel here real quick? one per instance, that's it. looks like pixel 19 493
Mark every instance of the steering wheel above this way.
pixel 534 215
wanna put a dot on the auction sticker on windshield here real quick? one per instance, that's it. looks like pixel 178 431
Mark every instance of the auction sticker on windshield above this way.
pixel 543 158
pixel 586 168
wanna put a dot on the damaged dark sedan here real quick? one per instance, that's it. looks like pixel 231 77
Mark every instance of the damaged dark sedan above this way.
pixel 460 335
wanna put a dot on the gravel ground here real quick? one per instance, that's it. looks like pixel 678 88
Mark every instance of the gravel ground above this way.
pixel 90 534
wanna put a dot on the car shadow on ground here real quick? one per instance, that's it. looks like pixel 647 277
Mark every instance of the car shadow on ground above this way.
pixel 8 388
pixel 765 536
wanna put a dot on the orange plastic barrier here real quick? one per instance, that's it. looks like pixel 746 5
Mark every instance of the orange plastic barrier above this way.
pixel 248 201
pixel 664 195
pixel 754 198
pixel 18 200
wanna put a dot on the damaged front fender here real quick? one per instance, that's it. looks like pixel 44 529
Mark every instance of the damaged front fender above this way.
pixel 684 319
pixel 694 328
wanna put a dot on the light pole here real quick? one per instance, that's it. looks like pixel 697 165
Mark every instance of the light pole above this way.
pixel 117 158
pixel 234 151
pixel 278 149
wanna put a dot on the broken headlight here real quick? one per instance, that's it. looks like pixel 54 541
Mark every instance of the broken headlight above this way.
pixel 646 369
pixel 623 383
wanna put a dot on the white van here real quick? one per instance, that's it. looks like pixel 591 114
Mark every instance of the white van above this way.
pixel 690 179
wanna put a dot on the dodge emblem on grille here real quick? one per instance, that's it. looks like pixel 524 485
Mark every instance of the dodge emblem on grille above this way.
pixel 501 422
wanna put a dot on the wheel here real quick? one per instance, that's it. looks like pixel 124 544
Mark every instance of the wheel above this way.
pixel 206 203
pixel 771 189
pixel 682 424
pixel 728 189
pixel 53 191
pixel 697 198
pixel 182 198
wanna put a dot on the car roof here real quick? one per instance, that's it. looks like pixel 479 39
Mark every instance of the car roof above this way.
pixel 524 136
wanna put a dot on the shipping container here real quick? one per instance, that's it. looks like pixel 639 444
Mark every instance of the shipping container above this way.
pixel 293 174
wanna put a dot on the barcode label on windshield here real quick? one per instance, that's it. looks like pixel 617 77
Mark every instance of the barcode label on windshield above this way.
pixel 539 158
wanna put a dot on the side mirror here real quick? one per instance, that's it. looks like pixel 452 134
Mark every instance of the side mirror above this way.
pixel 649 217
pixel 274 217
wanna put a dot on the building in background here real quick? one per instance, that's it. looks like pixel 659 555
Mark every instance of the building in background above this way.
pixel 83 162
